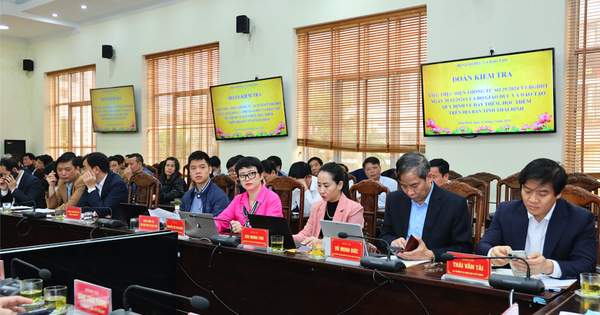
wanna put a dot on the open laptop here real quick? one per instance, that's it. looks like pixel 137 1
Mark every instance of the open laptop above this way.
pixel 199 225
pixel 132 210
pixel 276 226
pixel 331 229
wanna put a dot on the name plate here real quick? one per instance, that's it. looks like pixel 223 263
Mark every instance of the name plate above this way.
pixel 176 225
pixel 255 237
pixel 73 213
pixel 91 298
pixel 149 223
pixel 346 249
pixel 471 268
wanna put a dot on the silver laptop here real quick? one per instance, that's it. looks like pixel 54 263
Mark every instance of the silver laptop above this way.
pixel 199 225
pixel 331 229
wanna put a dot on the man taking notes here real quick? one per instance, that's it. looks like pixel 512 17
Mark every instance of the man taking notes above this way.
pixel 558 237
pixel 67 190
pixel 437 218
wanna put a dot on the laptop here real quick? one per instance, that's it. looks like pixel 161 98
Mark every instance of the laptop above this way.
pixel 276 226
pixel 331 229
pixel 199 225
pixel 132 210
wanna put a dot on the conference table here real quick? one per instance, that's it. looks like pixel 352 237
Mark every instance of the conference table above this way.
pixel 259 282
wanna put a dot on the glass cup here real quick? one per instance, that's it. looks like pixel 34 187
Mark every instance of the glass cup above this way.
pixel 318 251
pixel 590 283
pixel 133 224
pixel 59 214
pixel 277 243
pixel 31 288
pixel 55 296
pixel 6 207
pixel 88 217
pixel 177 202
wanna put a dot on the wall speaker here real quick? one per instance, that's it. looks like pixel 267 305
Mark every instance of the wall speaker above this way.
pixel 15 147
pixel 108 51
pixel 27 65
pixel 242 24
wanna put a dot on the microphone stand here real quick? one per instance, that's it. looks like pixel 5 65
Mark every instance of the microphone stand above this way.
pixel 32 214
pixel 228 241
pixel 111 223
pixel 196 301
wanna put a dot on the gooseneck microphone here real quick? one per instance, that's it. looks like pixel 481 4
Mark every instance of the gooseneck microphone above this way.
pixel 45 274
pixel 106 222
pixel 196 301
pixel 376 263
pixel 32 214
pixel 228 241
pixel 505 282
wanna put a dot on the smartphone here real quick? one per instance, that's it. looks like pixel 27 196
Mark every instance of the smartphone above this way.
pixel 41 311
pixel 516 253
pixel 14 174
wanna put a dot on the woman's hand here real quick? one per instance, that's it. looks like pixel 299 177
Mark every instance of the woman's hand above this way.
pixel 236 227
pixel 309 240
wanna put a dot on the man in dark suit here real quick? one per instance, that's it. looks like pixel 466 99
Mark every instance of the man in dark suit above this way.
pixel 437 218
pixel 559 237
pixel 20 185
pixel 104 188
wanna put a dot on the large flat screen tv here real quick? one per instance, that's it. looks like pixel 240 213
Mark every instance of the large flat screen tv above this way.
pixel 113 109
pixel 250 109
pixel 500 94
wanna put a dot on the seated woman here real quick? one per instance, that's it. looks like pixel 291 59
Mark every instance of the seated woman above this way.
pixel 335 206
pixel 257 199
pixel 171 183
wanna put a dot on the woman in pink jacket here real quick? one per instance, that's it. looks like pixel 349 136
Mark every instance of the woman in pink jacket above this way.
pixel 256 200
pixel 336 204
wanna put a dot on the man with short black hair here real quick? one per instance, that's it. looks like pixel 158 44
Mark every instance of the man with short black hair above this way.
pixel 115 166
pixel 135 163
pixel 372 168
pixel 67 190
pixel 231 171
pixel 558 237
pixel 215 166
pixel 277 161
pixel 440 170
pixel 301 172
pixel 104 187
pixel 269 172
pixel 28 162
pixel 42 161
pixel 315 164
pixel 20 185
pixel 416 211
pixel 205 196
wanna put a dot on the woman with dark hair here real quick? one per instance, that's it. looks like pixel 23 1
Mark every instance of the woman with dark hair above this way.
pixel 171 183
pixel 335 206
pixel 257 199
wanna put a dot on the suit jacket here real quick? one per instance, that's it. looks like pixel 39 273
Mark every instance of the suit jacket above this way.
pixel 29 189
pixel 114 192
pixel 447 223
pixel 59 199
pixel 214 200
pixel 347 211
pixel 570 238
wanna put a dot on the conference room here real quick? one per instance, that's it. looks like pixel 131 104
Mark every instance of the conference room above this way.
pixel 198 42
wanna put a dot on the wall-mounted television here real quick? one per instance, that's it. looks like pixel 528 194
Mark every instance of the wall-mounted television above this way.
pixel 249 109
pixel 500 94
pixel 113 109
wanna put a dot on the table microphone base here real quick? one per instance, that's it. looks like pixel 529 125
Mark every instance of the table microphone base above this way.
pixel 382 264
pixel 224 240
pixel 531 286
pixel 110 223
pixel 34 215
pixel 123 312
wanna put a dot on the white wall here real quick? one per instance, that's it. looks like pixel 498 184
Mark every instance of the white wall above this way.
pixel 456 29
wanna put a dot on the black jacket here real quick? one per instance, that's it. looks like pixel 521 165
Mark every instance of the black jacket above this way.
pixel 171 188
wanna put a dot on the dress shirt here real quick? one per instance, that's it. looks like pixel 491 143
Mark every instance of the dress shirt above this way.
pixel 417 216
pixel 310 197
pixel 69 185
pixel 390 183
pixel 536 236
pixel 197 201
pixel 100 185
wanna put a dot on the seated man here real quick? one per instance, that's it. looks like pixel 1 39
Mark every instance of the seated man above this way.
pixel 372 168
pixel 135 163
pixel 20 185
pixel 115 165
pixel 315 164
pixel 205 196
pixel 416 211
pixel 215 166
pixel 67 190
pixel 301 172
pixel 105 189
pixel 231 171
pixel 269 171
pixel 440 170
pixel 29 163
pixel 277 161
pixel 558 237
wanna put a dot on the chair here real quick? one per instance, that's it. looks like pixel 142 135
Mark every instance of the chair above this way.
pixel 283 186
pixel 158 170
pixel 482 186
pixel 583 198
pixel 512 189
pixel 452 175
pixel 153 170
pixel 186 176
pixel 147 190
pixel 224 181
pixel 369 190
pixel 475 197
pixel 488 178
pixel 584 181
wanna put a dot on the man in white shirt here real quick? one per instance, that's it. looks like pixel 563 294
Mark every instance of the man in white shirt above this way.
pixel 300 171
pixel 372 168
pixel 440 169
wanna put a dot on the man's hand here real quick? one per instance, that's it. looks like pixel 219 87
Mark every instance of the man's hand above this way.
pixel 236 227
pixel 420 253
pixel 89 179
pixel 128 173
pixel 11 183
pixel 500 251
pixel 399 242
pixel 302 182
pixel 9 304
pixel 51 179
pixel 537 263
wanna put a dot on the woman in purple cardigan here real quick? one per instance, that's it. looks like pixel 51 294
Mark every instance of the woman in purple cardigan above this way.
pixel 336 204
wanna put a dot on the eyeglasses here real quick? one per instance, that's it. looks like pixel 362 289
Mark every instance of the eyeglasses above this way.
pixel 250 175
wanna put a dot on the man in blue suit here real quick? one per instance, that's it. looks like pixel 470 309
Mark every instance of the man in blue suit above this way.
pixel 104 188
pixel 205 196
pixel 437 218
pixel 559 237
pixel 20 185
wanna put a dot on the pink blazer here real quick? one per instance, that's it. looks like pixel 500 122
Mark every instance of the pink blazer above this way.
pixel 269 204
pixel 347 211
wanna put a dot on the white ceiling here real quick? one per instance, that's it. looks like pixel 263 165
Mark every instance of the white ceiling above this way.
pixel 31 21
